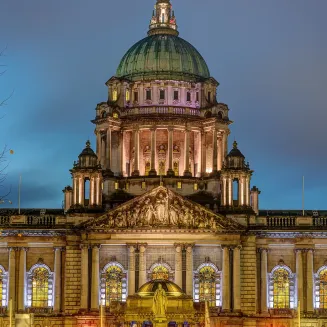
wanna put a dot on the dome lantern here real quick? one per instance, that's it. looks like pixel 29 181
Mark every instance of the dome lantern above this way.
pixel 163 19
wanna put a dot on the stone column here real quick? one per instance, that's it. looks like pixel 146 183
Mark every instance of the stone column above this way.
pixel 237 279
pixel 120 153
pixel 224 192
pixel 142 264
pixel 136 171
pixel 187 172
pixel 131 269
pixel 203 154
pixel 189 269
pixel 98 144
pixel 57 280
pixel 170 171
pixel 103 153
pixel 12 276
pixel 299 273
pixel 84 276
pixel 108 146
pixel 225 144
pixel 95 277
pixel 247 191
pixel 98 191
pixel 230 191
pixel 220 153
pixel 214 151
pixel 92 191
pixel 153 171
pixel 225 280
pixel 310 280
pixel 178 265
pixel 263 280
pixel 241 191
pixel 21 279
pixel 75 196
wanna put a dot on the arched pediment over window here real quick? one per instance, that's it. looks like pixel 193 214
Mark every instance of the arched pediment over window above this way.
pixel 40 292
pixel 113 286
pixel 207 284
pixel 281 288
pixel 160 270
pixel 3 287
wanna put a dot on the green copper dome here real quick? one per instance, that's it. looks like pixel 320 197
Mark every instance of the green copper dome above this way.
pixel 163 56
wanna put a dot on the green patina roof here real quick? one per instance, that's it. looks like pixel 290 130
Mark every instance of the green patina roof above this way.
pixel 163 56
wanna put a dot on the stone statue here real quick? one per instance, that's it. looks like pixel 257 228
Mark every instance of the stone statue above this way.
pixel 159 306
pixel 161 210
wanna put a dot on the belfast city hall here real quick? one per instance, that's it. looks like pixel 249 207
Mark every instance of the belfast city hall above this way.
pixel 161 225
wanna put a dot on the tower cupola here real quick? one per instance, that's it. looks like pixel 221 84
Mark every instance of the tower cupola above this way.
pixel 163 19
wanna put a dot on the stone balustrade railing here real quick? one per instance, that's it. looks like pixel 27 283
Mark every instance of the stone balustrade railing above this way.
pixel 41 221
pixel 161 110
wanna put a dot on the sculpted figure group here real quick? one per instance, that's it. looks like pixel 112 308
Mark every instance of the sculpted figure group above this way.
pixel 159 210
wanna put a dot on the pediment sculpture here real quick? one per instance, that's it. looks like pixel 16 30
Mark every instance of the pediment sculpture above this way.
pixel 162 207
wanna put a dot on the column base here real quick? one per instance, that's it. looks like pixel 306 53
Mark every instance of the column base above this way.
pixel 187 173
pixel 136 173
pixel 152 172
pixel 170 173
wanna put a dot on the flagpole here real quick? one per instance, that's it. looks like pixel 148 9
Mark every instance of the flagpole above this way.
pixel 10 313
pixel 19 186
pixel 101 315
pixel 302 195
pixel 299 313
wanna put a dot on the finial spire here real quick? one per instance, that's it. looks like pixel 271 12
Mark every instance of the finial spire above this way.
pixel 234 145
pixel 163 19
pixel 88 144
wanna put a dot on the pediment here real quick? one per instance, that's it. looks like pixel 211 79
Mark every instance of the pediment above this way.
pixel 162 208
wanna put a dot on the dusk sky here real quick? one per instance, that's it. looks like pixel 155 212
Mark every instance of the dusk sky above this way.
pixel 270 57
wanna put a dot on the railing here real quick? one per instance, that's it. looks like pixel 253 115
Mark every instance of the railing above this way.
pixel 4 220
pixel 321 312
pixel 282 312
pixel 281 221
pixel 45 310
pixel 319 221
pixel 46 220
pixel 161 110
pixel 42 220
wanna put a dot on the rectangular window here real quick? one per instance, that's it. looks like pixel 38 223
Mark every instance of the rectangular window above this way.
pixel 179 185
pixel 197 96
pixel 127 95
pixel 116 185
pixel 143 186
pixel 188 96
pixel 175 95
pixel 195 186
pixel 148 94
pixel 136 96
pixel 209 96
pixel 162 94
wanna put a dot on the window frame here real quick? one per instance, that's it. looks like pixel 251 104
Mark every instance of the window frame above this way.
pixel 317 295
pixel 4 280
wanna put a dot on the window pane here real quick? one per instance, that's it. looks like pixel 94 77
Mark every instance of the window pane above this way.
pixel 114 276
pixel 281 289
pixel 40 287
pixel 162 94
pixel 175 95
pixel 323 289
pixel 188 96
pixel 148 94
pixel 136 96
pixel 207 285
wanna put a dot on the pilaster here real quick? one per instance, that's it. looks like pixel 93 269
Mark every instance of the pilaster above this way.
pixel 84 276
pixel 142 264
pixel 21 279
pixel 95 277
pixel 310 280
pixel 178 264
pixel 153 171
pixel 131 268
pixel 189 269
pixel 236 279
pixel 57 279
pixel 225 280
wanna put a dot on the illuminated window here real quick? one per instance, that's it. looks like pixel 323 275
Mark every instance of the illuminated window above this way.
pixel 127 186
pixel 176 168
pixel 114 95
pixel 188 96
pixel 40 286
pixel 127 95
pixel 175 95
pixel 321 288
pixel 143 186
pixel 113 284
pixel 195 187
pixel 3 287
pixel 162 167
pixel 207 285
pixel 162 95
pixel 148 95
pixel 115 115
pixel 179 184
pixel 136 96
pixel 147 168
pixel 160 271
pixel 281 288
pixel 116 185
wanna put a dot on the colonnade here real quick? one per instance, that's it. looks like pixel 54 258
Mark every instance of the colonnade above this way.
pixel 243 190
pixel 219 149
pixel 304 292
pixel 231 283
pixel 95 192
pixel 17 286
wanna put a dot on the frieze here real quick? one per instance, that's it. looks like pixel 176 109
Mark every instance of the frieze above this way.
pixel 160 208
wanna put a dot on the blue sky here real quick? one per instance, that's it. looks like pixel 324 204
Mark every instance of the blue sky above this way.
pixel 270 57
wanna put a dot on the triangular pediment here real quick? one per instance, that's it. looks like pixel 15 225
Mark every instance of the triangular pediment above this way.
pixel 162 208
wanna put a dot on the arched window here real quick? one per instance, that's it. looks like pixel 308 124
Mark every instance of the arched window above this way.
pixel 3 287
pixel 40 286
pixel 220 115
pixel 321 288
pixel 176 168
pixel 160 270
pixel 114 95
pixel 127 95
pixel 281 288
pixel 113 284
pixel 207 285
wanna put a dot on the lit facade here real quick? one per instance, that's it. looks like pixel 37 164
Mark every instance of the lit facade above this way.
pixel 162 200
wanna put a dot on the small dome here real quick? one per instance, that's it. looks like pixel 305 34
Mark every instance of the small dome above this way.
pixel 148 289
pixel 87 150
pixel 163 56
pixel 87 158
pixel 235 152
